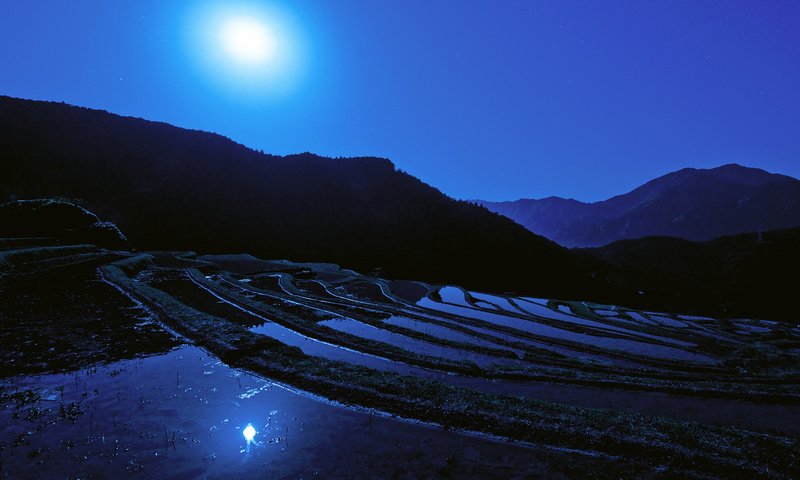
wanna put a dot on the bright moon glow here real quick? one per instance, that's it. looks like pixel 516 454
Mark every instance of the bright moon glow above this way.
pixel 249 433
pixel 247 40
pixel 250 51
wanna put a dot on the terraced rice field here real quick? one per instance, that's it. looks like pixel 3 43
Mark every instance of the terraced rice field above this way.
pixel 545 373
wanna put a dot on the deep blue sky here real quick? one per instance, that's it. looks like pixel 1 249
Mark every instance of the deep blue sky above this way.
pixel 482 99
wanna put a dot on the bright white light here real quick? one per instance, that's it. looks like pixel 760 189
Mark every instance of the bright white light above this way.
pixel 247 40
pixel 249 433
pixel 250 51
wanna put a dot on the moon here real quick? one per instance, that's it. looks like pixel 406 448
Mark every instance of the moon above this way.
pixel 247 51
pixel 247 41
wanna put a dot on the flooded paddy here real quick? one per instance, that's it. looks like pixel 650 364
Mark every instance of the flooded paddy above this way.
pixel 318 348
pixel 453 295
pixel 102 388
pixel 611 343
pixel 501 302
pixel 413 345
pixel 667 321
pixel 182 415
pixel 567 352
pixel 439 331
pixel 566 315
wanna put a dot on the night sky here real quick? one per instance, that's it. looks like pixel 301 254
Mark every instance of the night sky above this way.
pixel 482 99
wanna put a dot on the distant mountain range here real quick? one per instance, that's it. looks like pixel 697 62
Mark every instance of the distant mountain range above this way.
pixel 692 204
pixel 171 188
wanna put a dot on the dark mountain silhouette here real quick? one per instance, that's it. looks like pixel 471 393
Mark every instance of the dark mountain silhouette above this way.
pixel 752 274
pixel 171 188
pixel 692 204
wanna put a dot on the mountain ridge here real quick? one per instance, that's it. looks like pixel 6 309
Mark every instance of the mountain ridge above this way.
pixel 174 188
pixel 694 204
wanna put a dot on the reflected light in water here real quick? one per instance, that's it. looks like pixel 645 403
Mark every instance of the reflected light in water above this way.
pixel 249 433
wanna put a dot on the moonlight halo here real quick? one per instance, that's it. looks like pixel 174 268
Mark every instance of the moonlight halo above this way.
pixel 250 50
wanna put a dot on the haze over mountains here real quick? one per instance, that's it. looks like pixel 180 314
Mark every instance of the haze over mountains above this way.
pixel 692 204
